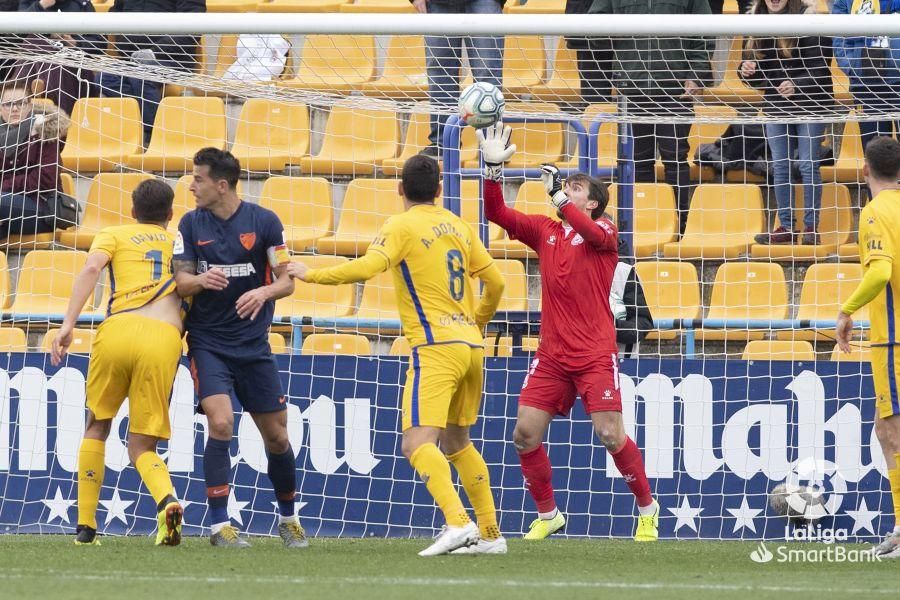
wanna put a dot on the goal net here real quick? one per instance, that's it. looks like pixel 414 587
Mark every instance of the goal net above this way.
pixel 733 151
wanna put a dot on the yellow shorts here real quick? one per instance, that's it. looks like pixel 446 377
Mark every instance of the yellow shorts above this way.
pixel 135 357
pixel 443 385
pixel 885 376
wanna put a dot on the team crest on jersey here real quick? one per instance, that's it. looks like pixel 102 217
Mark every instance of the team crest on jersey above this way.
pixel 577 240
pixel 248 240
pixel 552 240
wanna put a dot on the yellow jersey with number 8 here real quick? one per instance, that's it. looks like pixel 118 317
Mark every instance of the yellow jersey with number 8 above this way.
pixel 140 264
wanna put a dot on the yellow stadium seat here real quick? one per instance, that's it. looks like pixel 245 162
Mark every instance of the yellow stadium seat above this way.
pixel 13 339
pixel 104 133
pixel 367 205
pixel 400 347
pixel 336 343
pixel 536 142
pixel 778 350
pixel 417 138
pixel 848 166
pixel 183 125
pixel 300 6
pixel 271 134
pixel 515 295
pixel 67 184
pixel 277 343
pixel 730 7
pixel 494 346
pixel 608 136
pixel 743 291
pixel 859 352
pixel 723 220
pixel 835 224
pixel 217 53
pixel 672 291
pixel 356 141
pixel 841 84
pixel 404 75
pixel 108 203
pixel 312 300
pixel 539 7
pixel 379 6
pixel 531 198
pixel 82 340
pixel 470 209
pixel 337 64
pixel 849 252
pixel 45 281
pixel 379 300
pixel 655 220
pixel 564 84
pixel 826 287
pixel 230 6
pixel 732 89
pixel 304 206
pixel 5 296
pixel 524 62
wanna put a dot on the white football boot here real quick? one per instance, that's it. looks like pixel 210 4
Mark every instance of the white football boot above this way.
pixel 483 546
pixel 451 538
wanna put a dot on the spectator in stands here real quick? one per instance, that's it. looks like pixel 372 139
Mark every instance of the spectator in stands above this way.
pixel 628 304
pixel 795 78
pixel 177 52
pixel 660 77
pixel 29 173
pixel 594 60
pixel 444 60
pixel 873 66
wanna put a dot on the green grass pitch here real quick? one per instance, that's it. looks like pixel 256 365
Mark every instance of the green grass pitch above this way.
pixel 130 568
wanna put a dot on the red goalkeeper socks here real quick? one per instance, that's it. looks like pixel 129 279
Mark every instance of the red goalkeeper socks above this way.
pixel 539 478
pixel 631 465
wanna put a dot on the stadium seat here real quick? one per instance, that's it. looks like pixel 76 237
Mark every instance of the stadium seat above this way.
pixel 337 64
pixel 743 291
pixel 531 198
pixel 312 300
pixel 217 53
pixel 826 287
pixel 654 218
pixel 45 281
pixel 859 352
pixel 848 165
pixel 13 339
pixel 501 347
pixel 67 184
pixel 82 340
pixel 271 134
pixel 540 7
pixel 230 6
pixel 524 62
pixel 778 350
pixel 404 75
pixel 104 133
pixel 182 126
pixel 400 347
pixel 379 6
pixel 608 136
pixel 336 343
pixel 277 343
pixel 841 84
pixel 849 252
pixel 515 295
pixel 835 224
pixel 304 206
pixel 356 141
pixel 300 6
pixel 108 203
pixel 5 295
pixel 672 291
pixel 379 300
pixel 417 138
pixel 564 84
pixel 367 205
pixel 536 142
pixel 470 209
pixel 722 222
pixel 732 89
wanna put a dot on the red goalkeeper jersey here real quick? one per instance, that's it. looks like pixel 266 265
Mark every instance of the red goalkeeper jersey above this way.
pixel 577 264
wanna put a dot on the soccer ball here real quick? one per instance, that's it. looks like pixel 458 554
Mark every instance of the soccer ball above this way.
pixel 481 104
pixel 801 504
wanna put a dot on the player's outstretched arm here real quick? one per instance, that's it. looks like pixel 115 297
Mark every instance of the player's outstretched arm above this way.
pixel 82 289
pixel 188 283
pixel 496 150
pixel 599 235
pixel 361 269
pixel 876 278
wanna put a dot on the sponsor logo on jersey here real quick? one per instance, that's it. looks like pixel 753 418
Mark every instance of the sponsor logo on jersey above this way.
pixel 248 240
pixel 179 244
pixel 238 270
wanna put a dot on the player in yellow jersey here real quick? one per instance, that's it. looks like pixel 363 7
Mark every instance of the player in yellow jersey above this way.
pixel 432 254
pixel 879 253
pixel 136 354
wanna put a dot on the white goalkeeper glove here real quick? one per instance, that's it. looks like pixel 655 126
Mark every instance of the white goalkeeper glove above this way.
pixel 553 185
pixel 617 305
pixel 495 149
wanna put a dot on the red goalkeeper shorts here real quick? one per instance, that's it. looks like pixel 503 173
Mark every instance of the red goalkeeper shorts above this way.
pixel 552 387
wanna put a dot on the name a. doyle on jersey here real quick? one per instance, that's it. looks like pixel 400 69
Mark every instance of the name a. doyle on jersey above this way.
pixel 238 270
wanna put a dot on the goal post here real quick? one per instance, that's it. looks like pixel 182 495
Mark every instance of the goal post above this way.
pixel 736 389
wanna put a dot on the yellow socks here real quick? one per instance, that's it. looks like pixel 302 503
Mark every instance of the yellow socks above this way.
pixel 473 473
pixel 433 468
pixel 91 466
pixel 155 475
pixel 894 478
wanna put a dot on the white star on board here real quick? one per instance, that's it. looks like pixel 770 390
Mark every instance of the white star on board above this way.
pixel 298 506
pixel 59 507
pixel 685 515
pixel 115 508
pixel 744 516
pixel 863 517
pixel 235 507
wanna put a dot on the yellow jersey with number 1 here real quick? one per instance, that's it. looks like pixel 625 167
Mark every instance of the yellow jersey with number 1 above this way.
pixel 140 264
pixel 879 238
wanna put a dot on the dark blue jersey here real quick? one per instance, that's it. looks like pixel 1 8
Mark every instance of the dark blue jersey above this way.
pixel 246 247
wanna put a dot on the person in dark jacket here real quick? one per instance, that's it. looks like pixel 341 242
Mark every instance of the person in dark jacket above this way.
pixel 594 59
pixel 29 176
pixel 872 65
pixel 660 77
pixel 629 306
pixel 794 75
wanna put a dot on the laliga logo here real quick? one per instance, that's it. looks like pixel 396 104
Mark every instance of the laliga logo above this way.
pixel 761 554
pixel 814 476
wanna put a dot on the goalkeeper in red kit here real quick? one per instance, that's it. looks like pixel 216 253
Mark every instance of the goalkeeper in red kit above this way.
pixel 577 351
